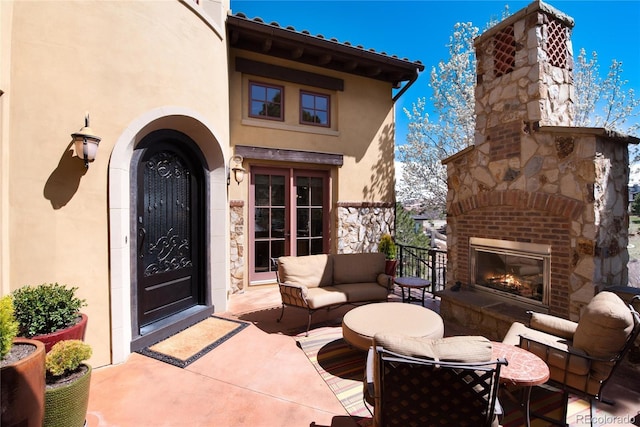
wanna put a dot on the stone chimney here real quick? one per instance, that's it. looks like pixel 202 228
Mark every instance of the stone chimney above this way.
pixel 524 77
pixel 532 177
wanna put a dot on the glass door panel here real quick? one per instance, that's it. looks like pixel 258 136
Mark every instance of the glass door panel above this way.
pixel 269 221
pixel 280 205
pixel 310 218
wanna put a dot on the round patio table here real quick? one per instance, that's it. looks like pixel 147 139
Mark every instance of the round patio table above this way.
pixel 412 283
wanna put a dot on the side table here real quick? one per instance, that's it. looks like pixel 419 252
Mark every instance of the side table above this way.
pixel 412 283
pixel 525 369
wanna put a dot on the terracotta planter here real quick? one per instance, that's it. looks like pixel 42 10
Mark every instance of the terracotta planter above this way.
pixel 75 332
pixel 390 267
pixel 22 387
pixel 66 406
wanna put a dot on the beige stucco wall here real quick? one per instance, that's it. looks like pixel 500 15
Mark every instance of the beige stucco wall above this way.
pixel 362 130
pixel 119 61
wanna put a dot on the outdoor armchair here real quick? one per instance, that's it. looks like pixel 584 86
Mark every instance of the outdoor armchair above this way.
pixel 582 356
pixel 426 382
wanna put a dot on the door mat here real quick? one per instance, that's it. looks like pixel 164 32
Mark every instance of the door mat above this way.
pixel 190 344
pixel 342 368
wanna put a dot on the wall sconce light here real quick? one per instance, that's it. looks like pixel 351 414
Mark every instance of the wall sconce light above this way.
pixel 86 143
pixel 237 169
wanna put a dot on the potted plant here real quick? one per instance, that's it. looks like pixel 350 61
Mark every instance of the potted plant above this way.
pixel 67 384
pixel 49 313
pixel 388 247
pixel 22 372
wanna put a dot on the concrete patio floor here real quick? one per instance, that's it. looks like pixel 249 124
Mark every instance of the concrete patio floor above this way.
pixel 258 378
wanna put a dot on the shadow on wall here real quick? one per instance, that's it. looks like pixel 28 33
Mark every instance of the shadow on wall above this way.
pixel 64 181
pixel 383 170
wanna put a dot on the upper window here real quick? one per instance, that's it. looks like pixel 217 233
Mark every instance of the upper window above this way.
pixel 266 101
pixel 314 109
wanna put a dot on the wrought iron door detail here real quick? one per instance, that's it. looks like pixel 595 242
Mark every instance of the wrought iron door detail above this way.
pixel 165 229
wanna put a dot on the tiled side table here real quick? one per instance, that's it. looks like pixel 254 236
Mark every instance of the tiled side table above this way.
pixel 525 369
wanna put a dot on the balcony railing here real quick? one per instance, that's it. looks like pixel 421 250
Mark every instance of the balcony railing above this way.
pixel 426 263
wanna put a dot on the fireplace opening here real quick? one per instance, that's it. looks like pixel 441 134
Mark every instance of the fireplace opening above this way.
pixel 515 270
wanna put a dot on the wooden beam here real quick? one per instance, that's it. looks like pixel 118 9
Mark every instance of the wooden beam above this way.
pixel 292 75
pixel 297 53
pixel 297 156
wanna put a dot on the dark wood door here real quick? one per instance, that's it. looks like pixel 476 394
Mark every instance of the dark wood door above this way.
pixel 169 227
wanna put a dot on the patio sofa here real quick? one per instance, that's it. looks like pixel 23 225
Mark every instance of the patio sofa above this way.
pixel 320 281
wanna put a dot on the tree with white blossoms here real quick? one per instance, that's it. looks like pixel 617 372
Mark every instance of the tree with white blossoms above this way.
pixel 603 102
pixel 600 102
pixel 430 141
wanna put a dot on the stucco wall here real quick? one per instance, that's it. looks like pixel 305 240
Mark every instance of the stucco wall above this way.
pixel 362 129
pixel 118 61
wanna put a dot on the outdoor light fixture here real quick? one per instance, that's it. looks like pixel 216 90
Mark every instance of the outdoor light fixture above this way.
pixel 86 143
pixel 237 169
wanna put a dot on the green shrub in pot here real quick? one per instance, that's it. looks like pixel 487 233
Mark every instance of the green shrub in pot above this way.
pixel 46 308
pixel 8 325
pixel 68 382
pixel 387 246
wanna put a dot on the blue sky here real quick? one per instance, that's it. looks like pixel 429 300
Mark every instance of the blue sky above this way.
pixel 420 30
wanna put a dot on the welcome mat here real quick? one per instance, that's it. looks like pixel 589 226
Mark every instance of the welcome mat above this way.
pixel 192 343
pixel 342 368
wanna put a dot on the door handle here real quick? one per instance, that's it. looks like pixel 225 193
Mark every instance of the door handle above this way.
pixel 142 234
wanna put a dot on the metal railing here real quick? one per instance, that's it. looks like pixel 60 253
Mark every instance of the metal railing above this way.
pixel 426 263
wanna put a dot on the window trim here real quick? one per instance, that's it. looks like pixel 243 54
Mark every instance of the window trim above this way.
pixel 251 83
pixel 315 95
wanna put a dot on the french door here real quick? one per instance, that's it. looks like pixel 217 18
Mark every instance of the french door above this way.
pixel 289 215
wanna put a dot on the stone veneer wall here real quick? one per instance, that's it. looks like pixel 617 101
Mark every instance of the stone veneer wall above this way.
pixel 237 228
pixel 537 86
pixel 567 188
pixel 360 225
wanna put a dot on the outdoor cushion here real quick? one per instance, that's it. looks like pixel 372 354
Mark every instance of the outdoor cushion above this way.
pixel 310 271
pixel 556 356
pixel 604 326
pixel 325 296
pixel 357 268
pixel 553 325
pixel 468 349
pixel 357 292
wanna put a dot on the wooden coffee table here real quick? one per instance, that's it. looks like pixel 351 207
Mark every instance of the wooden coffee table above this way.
pixel 525 369
pixel 412 283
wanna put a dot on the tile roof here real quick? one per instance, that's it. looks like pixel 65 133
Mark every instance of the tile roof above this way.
pixel 301 46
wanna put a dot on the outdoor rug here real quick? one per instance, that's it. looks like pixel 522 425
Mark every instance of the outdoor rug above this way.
pixel 190 344
pixel 342 368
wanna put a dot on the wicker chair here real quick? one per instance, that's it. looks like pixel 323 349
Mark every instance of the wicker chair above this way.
pixel 428 391
pixel 582 356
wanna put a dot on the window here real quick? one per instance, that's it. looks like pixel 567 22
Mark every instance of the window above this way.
pixel 314 109
pixel 265 101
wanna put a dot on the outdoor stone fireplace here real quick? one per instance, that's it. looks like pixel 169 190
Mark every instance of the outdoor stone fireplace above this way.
pixel 535 200
pixel 511 269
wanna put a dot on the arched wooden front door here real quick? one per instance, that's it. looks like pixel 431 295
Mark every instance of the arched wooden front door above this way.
pixel 169 227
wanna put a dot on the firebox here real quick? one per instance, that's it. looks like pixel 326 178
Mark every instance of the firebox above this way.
pixel 516 270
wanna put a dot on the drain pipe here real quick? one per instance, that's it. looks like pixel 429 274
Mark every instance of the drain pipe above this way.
pixel 405 87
